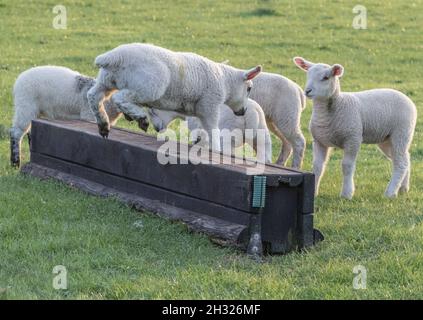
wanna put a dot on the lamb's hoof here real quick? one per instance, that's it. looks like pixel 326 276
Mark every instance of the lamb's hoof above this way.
pixel 403 190
pixel 143 124
pixel 390 195
pixel 104 130
pixel 15 164
pixel 346 196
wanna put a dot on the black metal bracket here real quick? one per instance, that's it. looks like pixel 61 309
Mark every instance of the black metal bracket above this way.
pixel 255 244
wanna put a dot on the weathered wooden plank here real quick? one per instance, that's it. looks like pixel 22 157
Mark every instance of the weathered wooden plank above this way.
pixel 215 183
pixel 147 191
pixel 220 230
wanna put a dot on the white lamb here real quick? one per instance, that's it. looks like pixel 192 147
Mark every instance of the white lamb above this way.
pixel 54 93
pixel 154 77
pixel 346 120
pixel 282 101
pixel 253 119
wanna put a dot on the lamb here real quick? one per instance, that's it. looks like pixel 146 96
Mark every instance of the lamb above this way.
pixel 154 77
pixel 282 101
pixel 384 117
pixel 253 119
pixel 54 93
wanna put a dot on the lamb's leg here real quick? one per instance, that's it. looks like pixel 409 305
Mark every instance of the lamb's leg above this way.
pixel 292 133
pixel 298 142
pixel 286 148
pixel 401 163
pixel 194 126
pixel 267 148
pixel 209 117
pixel 16 135
pixel 286 151
pixel 24 114
pixel 96 96
pixel 320 158
pixel 232 147
pixel 210 126
pixel 126 102
pixel 348 169
pixel 400 174
pixel 386 148
pixel 405 184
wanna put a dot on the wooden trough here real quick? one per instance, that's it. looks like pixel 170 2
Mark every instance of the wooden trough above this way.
pixel 217 199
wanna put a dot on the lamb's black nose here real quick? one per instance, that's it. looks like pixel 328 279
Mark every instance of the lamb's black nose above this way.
pixel 308 91
pixel 240 112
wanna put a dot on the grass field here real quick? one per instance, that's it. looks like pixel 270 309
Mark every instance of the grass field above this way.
pixel 111 251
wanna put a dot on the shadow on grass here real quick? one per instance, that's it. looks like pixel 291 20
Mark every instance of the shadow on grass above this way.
pixel 262 12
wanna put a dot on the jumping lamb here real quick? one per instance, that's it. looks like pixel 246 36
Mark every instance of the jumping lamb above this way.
pixel 253 119
pixel 54 93
pixel 384 117
pixel 154 77
pixel 282 101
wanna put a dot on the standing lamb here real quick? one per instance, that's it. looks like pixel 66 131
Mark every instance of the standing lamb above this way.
pixel 282 101
pixel 54 93
pixel 346 120
pixel 150 76
pixel 253 119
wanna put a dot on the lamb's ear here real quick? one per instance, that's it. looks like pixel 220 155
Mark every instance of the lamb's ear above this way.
pixel 337 70
pixel 252 73
pixel 302 63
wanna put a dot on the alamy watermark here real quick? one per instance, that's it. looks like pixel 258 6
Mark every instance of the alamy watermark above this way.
pixel 60 279
pixel 360 20
pixel 178 151
pixel 360 279
pixel 61 19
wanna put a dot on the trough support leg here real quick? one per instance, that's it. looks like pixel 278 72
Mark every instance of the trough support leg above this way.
pixel 255 244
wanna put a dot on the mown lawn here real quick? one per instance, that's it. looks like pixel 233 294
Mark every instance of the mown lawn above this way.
pixel 111 251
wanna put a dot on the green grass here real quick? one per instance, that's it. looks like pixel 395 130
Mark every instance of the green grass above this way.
pixel 111 251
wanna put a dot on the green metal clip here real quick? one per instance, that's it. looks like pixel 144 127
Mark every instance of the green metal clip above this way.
pixel 259 192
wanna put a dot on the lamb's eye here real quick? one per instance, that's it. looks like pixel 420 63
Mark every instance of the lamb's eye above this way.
pixel 249 89
pixel 325 78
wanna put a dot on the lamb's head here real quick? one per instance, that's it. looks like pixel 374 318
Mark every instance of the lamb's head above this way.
pixel 322 79
pixel 241 90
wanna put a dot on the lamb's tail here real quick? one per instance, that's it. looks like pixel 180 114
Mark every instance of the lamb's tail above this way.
pixel 108 59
